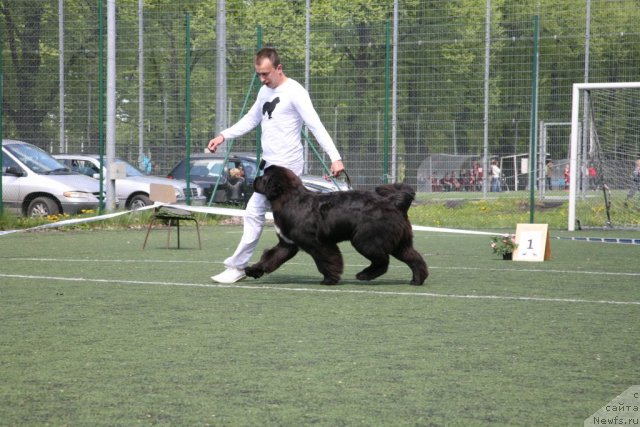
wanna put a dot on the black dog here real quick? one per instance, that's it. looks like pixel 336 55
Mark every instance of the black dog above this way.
pixel 376 223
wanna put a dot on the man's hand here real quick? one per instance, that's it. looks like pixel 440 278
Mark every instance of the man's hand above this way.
pixel 214 143
pixel 337 168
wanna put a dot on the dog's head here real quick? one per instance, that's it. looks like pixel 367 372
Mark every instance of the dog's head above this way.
pixel 276 182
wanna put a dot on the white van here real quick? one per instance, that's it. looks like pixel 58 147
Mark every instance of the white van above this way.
pixel 132 191
pixel 36 184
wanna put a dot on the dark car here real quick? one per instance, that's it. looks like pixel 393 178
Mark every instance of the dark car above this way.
pixel 206 168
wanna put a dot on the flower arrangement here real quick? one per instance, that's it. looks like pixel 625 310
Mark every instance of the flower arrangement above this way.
pixel 504 245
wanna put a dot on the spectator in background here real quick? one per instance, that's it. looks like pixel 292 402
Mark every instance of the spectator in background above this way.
pixel 466 179
pixel 549 174
pixel 455 182
pixel 635 183
pixel 236 181
pixel 446 182
pixel 147 165
pixel 593 177
pixel 436 186
pixel 567 175
pixel 476 173
pixel 496 186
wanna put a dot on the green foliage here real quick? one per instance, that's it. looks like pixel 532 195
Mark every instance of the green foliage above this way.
pixel 503 245
pixel 441 48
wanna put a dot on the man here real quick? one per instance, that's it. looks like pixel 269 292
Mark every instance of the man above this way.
pixel 282 106
pixel 635 183
pixel 496 185
pixel 549 174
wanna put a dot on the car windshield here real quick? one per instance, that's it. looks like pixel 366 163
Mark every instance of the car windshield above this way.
pixel 205 168
pixel 39 161
pixel 130 169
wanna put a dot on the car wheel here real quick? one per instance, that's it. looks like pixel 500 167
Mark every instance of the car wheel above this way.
pixel 42 206
pixel 139 201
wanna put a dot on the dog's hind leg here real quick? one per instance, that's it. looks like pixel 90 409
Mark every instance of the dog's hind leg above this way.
pixel 375 252
pixel 272 259
pixel 379 266
pixel 411 257
pixel 328 259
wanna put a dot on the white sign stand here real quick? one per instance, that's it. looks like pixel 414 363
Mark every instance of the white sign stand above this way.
pixel 534 242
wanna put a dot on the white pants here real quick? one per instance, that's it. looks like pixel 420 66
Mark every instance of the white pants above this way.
pixel 254 219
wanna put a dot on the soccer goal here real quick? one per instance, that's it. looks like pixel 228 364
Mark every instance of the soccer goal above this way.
pixel 605 143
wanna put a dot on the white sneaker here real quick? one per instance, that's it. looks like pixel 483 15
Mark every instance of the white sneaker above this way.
pixel 230 275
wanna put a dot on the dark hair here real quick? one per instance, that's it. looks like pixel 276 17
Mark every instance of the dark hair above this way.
pixel 270 54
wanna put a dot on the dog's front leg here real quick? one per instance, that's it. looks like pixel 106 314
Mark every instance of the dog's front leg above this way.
pixel 272 259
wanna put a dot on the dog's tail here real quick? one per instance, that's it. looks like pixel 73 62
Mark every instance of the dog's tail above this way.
pixel 401 195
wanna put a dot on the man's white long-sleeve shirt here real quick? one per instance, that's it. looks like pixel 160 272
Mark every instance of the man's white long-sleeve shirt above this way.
pixel 282 112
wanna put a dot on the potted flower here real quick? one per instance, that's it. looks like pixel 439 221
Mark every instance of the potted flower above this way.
pixel 504 245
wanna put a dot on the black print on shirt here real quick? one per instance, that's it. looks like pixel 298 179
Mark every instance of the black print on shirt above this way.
pixel 268 107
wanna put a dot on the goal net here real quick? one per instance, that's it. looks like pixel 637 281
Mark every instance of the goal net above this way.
pixel 605 144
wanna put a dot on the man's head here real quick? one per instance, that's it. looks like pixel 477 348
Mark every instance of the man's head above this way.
pixel 269 68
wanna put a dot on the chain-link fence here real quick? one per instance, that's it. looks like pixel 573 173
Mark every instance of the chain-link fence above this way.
pixel 393 94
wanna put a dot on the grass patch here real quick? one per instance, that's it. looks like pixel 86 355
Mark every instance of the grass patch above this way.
pixel 497 213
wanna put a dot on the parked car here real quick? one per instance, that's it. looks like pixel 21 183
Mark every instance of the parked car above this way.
pixel 206 168
pixel 132 192
pixel 36 184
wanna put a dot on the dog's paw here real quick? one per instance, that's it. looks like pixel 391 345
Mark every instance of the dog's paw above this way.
pixel 419 278
pixel 418 281
pixel 330 281
pixel 254 272
pixel 363 276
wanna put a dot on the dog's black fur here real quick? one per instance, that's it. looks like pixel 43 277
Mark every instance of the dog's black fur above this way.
pixel 376 223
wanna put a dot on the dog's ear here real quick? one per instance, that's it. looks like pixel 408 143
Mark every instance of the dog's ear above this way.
pixel 272 180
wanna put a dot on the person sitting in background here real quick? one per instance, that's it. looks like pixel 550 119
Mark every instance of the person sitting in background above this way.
pixel 435 184
pixel 455 182
pixel 236 180
pixel 466 179
pixel 446 182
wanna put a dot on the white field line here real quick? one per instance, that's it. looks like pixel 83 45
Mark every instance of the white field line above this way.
pixel 322 290
pixel 289 263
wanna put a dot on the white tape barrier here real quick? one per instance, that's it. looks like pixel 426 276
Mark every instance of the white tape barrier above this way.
pixel 73 221
pixel 456 231
pixel 215 211
pixel 198 209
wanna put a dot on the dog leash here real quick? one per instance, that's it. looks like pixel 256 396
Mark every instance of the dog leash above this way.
pixel 347 180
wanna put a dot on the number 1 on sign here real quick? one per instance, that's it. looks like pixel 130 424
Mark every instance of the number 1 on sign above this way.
pixel 534 243
pixel 531 248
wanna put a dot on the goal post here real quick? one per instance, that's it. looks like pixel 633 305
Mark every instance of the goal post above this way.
pixel 602 130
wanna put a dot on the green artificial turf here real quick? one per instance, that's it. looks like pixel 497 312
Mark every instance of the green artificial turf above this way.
pixel 96 331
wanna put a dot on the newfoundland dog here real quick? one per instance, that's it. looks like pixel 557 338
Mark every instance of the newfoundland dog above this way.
pixel 376 223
